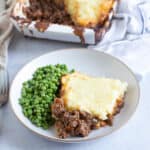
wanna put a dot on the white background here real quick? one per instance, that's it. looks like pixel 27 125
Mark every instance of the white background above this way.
pixel 14 136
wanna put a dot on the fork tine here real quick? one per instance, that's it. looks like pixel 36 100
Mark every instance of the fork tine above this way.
pixel 7 81
pixel 4 86
pixel 4 78
pixel 4 81
pixel 1 81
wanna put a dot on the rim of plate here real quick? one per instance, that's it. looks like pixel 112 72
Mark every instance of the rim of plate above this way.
pixel 56 139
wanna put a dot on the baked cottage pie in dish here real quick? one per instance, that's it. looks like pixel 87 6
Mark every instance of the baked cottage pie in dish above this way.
pixel 84 17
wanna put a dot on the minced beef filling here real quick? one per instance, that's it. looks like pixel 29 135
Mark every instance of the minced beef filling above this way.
pixel 77 123
pixel 47 11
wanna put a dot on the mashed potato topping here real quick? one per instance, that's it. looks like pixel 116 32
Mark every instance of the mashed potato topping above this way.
pixel 89 13
pixel 97 96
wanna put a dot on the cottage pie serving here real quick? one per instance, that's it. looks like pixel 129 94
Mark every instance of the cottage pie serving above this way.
pixel 86 103
pixel 76 103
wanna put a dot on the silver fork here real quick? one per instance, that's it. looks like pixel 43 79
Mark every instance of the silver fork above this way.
pixel 4 86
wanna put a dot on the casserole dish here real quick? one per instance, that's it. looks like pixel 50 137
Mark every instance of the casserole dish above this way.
pixel 59 32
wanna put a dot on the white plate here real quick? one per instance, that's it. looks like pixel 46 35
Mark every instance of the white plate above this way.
pixel 93 63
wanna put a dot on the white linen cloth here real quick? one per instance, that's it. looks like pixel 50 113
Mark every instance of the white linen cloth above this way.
pixel 129 36
pixel 5 30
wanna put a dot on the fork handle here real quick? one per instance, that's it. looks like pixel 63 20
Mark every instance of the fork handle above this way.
pixel 1 120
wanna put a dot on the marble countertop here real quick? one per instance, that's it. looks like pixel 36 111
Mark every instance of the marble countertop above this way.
pixel 14 136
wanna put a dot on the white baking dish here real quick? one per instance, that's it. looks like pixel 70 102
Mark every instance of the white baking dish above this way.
pixel 55 31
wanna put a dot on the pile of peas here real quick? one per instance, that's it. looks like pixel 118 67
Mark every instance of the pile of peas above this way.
pixel 39 93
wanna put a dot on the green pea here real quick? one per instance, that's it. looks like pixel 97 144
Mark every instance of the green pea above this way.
pixel 30 111
pixel 39 92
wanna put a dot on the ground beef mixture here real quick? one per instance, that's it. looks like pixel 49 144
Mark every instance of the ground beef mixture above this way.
pixel 46 12
pixel 77 123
